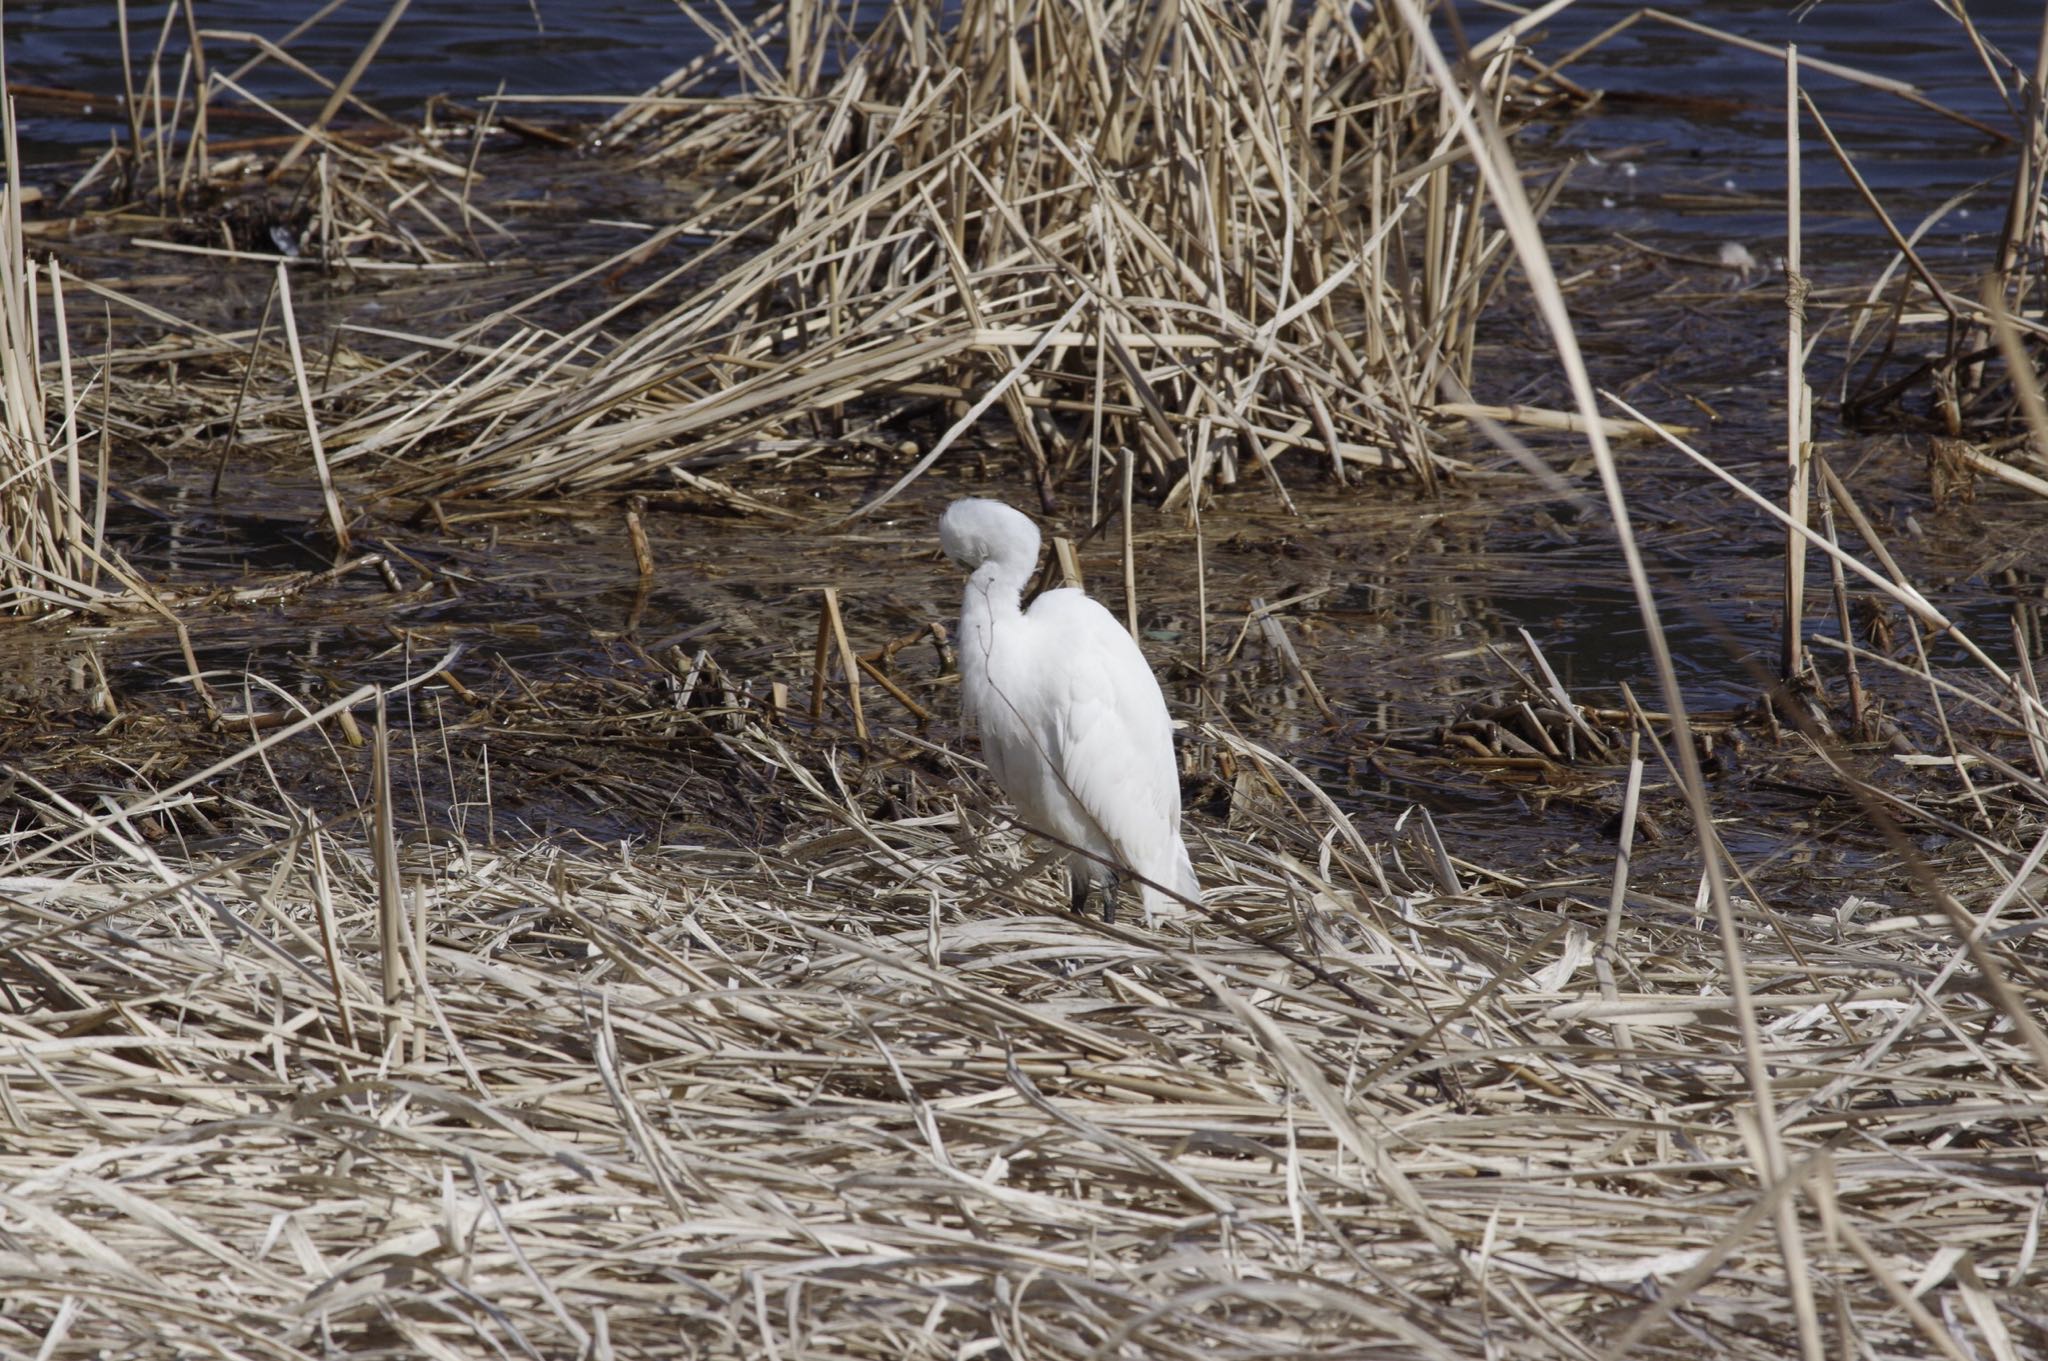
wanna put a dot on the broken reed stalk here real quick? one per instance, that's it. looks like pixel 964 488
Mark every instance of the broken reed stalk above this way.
pixel 1127 540
pixel 69 511
pixel 336 521
pixel 1838 579
pixel 227 446
pixel 1624 848
pixel 150 152
pixel 1067 563
pixel 1798 397
pixel 101 491
pixel 130 104
pixel 390 905
pixel 194 164
pixel 343 89
pixel 895 691
pixel 636 535
pixel 1275 635
pixel 832 639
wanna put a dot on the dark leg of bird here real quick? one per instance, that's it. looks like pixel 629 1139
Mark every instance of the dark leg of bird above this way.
pixel 1109 900
pixel 1077 890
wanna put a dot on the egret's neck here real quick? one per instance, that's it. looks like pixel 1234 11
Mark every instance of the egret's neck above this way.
pixel 995 593
pixel 996 588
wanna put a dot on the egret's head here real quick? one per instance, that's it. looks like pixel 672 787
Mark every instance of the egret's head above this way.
pixel 975 531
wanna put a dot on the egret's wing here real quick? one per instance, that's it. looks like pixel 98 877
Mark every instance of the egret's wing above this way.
pixel 1107 734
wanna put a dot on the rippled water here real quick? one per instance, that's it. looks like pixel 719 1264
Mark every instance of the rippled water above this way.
pixel 1692 135
pixel 451 47
pixel 609 47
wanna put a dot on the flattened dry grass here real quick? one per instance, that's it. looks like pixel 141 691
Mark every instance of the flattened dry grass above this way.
pixel 870 1092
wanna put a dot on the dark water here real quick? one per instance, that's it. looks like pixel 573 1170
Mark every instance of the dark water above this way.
pixel 1693 117
pixel 440 47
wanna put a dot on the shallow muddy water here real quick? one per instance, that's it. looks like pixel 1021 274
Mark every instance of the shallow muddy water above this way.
pixel 1398 598
pixel 1405 610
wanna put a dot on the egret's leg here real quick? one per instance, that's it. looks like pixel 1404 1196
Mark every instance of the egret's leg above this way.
pixel 1109 900
pixel 1077 890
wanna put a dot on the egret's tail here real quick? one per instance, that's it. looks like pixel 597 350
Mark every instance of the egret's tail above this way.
pixel 1181 879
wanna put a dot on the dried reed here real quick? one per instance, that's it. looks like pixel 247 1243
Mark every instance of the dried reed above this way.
pixel 43 544
pixel 1218 238
pixel 867 1089
pixel 285 1082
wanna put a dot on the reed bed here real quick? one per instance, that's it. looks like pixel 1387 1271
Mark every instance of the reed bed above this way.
pixel 379 202
pixel 868 1090
pixel 1158 248
pixel 48 532
pixel 1207 238
pixel 296 1066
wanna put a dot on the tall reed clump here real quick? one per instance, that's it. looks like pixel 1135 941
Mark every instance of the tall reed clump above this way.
pixel 42 543
pixel 1958 356
pixel 1223 241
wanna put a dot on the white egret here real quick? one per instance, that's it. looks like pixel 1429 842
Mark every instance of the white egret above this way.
pixel 1073 726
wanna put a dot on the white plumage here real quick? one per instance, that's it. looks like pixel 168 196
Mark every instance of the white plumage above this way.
pixel 1073 726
